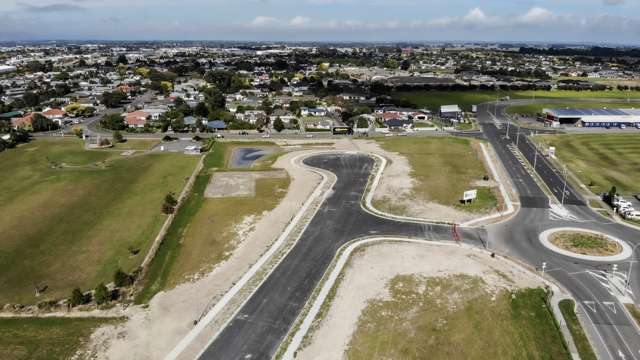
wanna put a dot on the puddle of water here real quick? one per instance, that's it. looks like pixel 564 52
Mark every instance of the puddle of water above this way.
pixel 245 157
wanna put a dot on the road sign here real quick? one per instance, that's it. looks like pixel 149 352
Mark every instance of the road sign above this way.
pixel 552 151
pixel 470 195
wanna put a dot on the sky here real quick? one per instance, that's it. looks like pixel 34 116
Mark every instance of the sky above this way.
pixel 581 21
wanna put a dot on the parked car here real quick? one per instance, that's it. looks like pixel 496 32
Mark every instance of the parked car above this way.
pixel 632 215
pixel 219 136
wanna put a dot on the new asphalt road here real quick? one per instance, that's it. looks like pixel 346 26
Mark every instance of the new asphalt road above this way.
pixel 262 323
pixel 612 331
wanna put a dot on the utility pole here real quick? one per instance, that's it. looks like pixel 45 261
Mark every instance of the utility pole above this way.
pixel 508 123
pixel 544 266
pixel 518 137
pixel 564 187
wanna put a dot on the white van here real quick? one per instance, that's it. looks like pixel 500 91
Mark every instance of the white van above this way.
pixel 632 215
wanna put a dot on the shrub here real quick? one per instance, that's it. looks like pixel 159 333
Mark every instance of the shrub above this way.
pixel 105 142
pixel 167 209
pixel 101 294
pixel 170 199
pixel 117 137
pixel 122 279
pixel 77 298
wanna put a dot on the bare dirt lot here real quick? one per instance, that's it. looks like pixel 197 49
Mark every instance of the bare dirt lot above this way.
pixel 370 270
pixel 238 184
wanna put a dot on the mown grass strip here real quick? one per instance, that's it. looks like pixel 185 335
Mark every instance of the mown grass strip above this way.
pixel 577 333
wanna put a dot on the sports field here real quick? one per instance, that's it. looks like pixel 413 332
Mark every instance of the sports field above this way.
pixel 444 167
pixel 71 216
pixel 456 317
pixel 600 160
pixel 432 100
pixel 532 109
pixel 45 338
pixel 204 231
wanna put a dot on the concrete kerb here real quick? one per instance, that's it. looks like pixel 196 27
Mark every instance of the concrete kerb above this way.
pixel 255 268
pixel 314 304
pixel 624 254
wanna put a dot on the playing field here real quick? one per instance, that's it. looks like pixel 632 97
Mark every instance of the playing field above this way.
pixel 205 230
pixel 444 167
pixel 456 317
pixel 45 338
pixel 532 109
pixel 600 160
pixel 70 216
pixel 432 100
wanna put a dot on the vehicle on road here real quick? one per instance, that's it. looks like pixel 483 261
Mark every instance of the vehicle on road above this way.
pixel 243 133
pixel 219 136
pixel 309 136
pixel 266 136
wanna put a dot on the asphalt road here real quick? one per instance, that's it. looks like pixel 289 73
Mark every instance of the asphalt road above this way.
pixel 262 323
pixel 612 330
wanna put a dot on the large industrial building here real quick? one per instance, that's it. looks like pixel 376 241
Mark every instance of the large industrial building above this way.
pixel 593 117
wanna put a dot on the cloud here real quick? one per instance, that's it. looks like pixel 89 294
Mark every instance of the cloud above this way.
pixel 614 2
pixel 262 21
pixel 56 7
pixel 299 21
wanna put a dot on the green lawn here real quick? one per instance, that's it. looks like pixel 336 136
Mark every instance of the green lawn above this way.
pixel 45 338
pixel 456 317
pixel 600 160
pixel 70 215
pixel 532 109
pixel 203 231
pixel 432 100
pixel 444 167
pixel 577 333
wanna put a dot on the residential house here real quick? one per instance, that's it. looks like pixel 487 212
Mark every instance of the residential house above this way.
pixel 313 112
pixel 25 122
pixel 216 125
pixel 287 117
pixel 56 115
pixel 136 119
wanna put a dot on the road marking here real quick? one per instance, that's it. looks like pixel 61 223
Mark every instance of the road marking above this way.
pixel 611 305
pixel 591 305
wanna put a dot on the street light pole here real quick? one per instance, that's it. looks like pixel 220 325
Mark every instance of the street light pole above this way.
pixel 544 266
pixel 518 137
pixel 508 123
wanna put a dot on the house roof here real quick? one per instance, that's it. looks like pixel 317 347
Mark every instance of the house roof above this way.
pixel 217 124
pixel 54 112
pixel 450 108
pixel 22 121
pixel 190 120
pixel 11 114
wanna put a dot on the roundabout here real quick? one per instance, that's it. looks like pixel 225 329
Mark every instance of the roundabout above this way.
pixel 585 244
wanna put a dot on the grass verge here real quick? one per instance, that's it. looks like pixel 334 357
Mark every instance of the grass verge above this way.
pixel 532 109
pixel 45 338
pixel 585 350
pixel 204 231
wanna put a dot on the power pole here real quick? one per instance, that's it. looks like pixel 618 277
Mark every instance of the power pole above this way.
pixel 518 137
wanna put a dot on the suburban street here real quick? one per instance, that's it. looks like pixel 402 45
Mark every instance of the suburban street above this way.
pixel 262 323
pixel 614 334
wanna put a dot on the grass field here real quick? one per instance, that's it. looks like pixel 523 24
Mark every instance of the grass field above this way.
pixel 432 100
pixel 45 338
pixel 456 317
pixel 577 333
pixel 444 167
pixel 70 215
pixel 532 109
pixel 203 232
pixel 600 160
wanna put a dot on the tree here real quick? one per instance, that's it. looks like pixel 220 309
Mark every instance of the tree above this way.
pixel 362 123
pixel 214 98
pixel 170 199
pixel 112 122
pixel 278 125
pixel 405 65
pixel 201 110
pixel 101 294
pixel 122 60
pixel 267 106
pixel 122 279
pixel 112 99
pixel 31 99
pixel 42 123
pixel 117 137
pixel 77 298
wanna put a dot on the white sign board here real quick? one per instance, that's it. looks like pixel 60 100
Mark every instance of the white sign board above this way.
pixel 470 195
pixel 552 151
